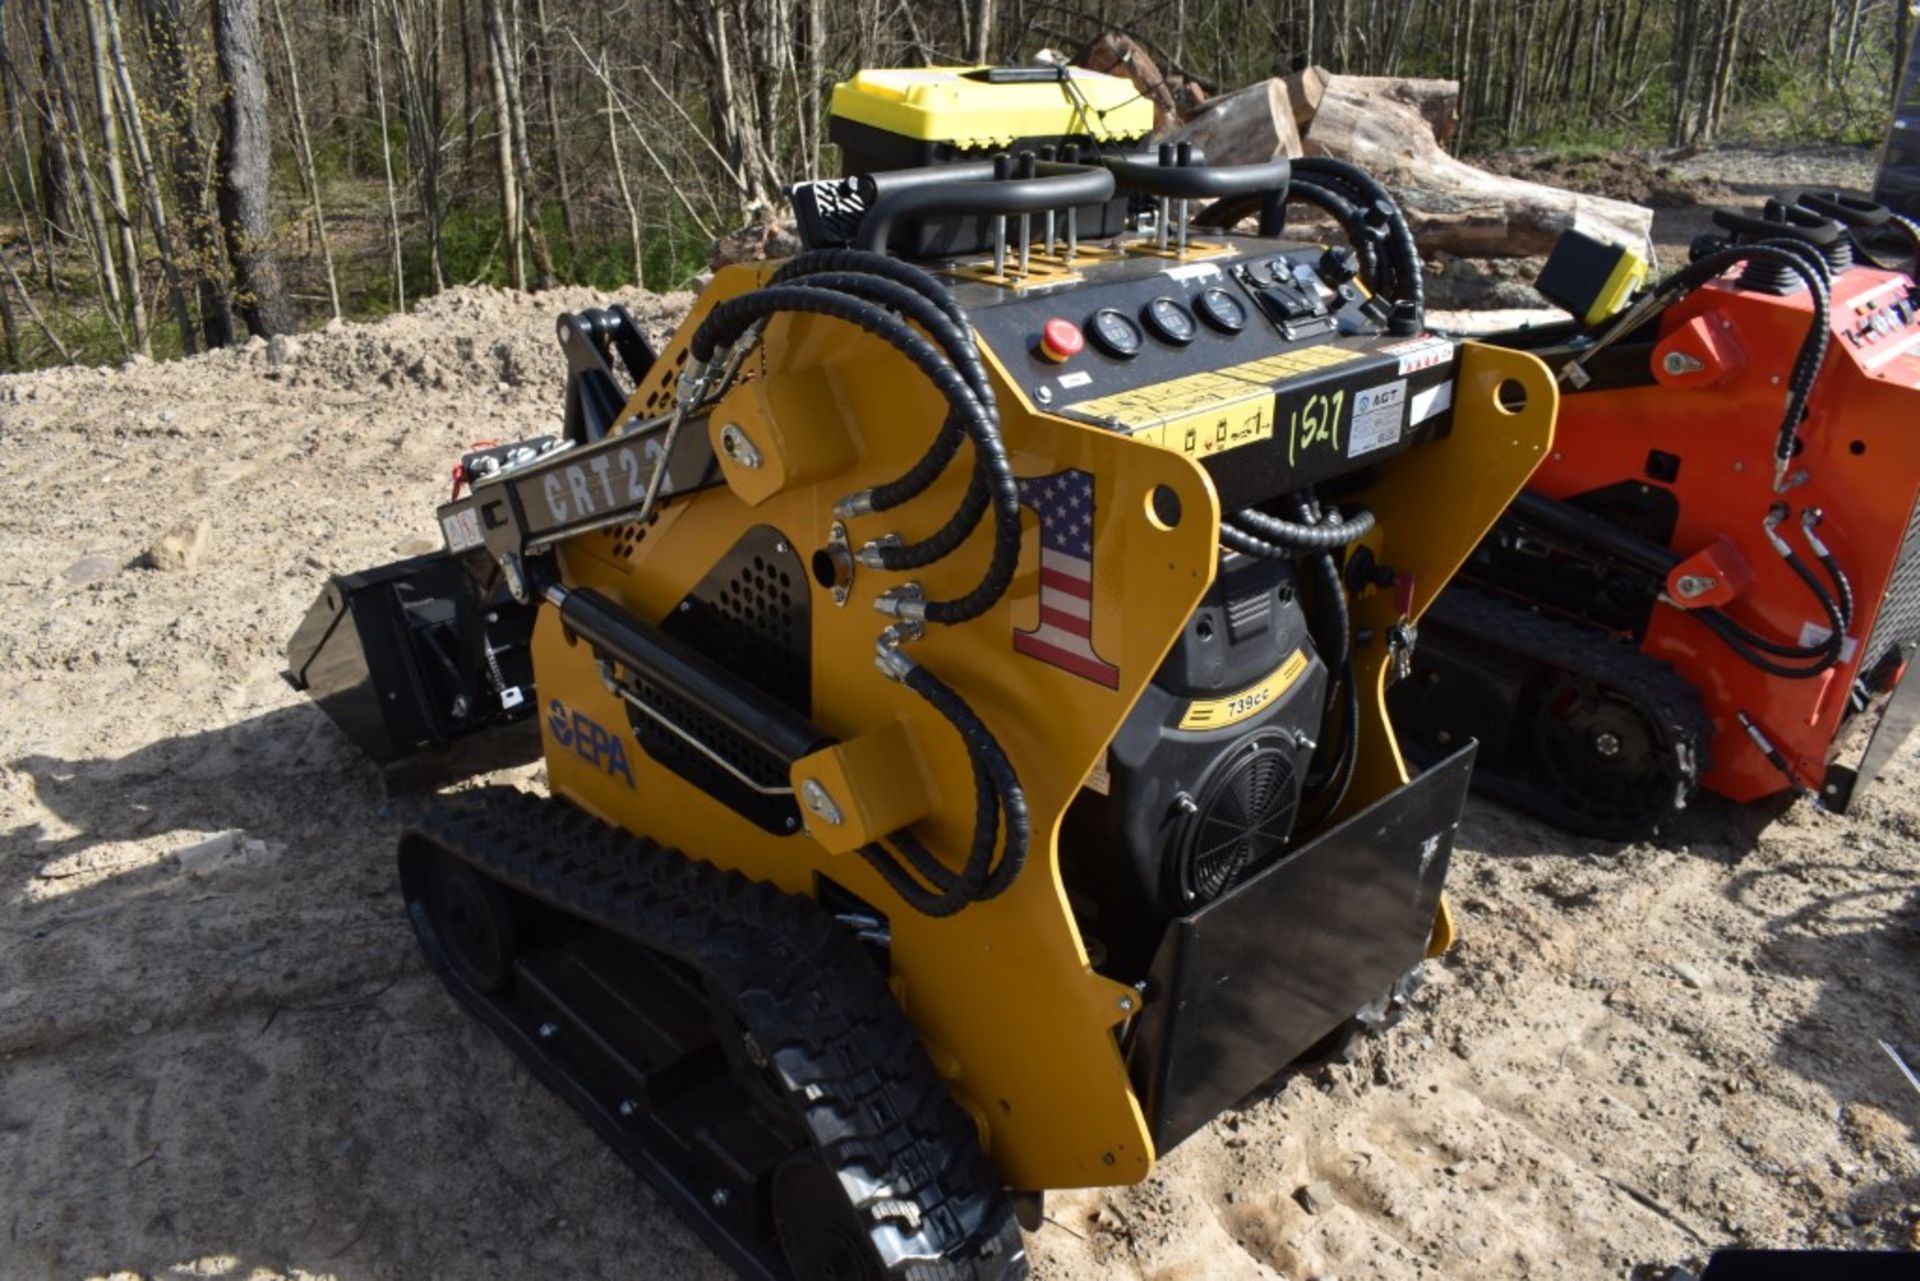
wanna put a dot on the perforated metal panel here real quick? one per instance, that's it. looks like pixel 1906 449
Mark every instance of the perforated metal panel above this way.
pixel 624 540
pixel 752 614
pixel 1896 632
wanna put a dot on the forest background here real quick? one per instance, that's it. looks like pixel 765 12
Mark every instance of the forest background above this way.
pixel 183 174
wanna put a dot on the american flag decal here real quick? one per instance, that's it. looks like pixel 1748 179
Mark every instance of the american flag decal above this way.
pixel 1064 638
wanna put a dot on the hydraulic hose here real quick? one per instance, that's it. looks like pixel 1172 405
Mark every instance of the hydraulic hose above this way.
pixel 998 797
pixel 1798 260
pixel 1334 790
pixel 1333 532
pixel 1366 190
pixel 816 261
pixel 1762 652
pixel 809 267
pixel 731 319
pixel 1366 238
pixel 957 343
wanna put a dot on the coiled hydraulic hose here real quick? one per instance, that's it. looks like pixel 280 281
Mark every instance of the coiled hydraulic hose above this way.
pixel 998 797
pixel 807 267
pixel 957 342
pixel 731 319
pixel 882 302
pixel 1763 652
pixel 1363 189
pixel 1297 536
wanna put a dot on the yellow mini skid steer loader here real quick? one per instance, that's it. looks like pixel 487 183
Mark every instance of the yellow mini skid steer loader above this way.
pixel 960 659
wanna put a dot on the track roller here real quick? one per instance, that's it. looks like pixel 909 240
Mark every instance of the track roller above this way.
pixel 1599 739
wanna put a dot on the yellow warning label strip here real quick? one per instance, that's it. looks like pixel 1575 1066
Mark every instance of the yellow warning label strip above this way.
pixel 1172 403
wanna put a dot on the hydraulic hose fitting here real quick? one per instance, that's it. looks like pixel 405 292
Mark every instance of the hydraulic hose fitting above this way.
pixel 893 662
pixel 853 505
pixel 906 601
pixel 1809 521
pixel 692 387
pixel 874 554
pixel 1776 516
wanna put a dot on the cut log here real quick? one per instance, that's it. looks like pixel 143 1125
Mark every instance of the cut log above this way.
pixel 1249 126
pixel 1437 101
pixel 1453 206
pixel 1305 88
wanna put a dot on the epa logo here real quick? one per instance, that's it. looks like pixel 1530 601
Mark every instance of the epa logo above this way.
pixel 591 741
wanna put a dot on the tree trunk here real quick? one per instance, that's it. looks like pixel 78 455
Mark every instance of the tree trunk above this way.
pixel 26 300
pixel 536 234
pixel 176 89
pixel 309 175
pixel 386 160
pixel 982 31
pixel 420 92
pixel 54 66
pixel 511 231
pixel 246 216
pixel 626 190
pixel 543 50
pixel 149 180
pixel 1729 53
pixel 1452 205
pixel 118 204
pixel 1902 44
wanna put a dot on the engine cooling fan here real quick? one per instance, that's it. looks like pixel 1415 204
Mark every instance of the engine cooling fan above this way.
pixel 1240 822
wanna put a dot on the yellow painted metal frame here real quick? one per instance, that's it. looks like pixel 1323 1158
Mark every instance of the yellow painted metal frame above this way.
pixel 1001 993
pixel 1432 506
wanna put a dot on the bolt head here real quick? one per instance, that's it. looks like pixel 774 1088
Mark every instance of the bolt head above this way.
pixel 549 1030
pixel 1606 744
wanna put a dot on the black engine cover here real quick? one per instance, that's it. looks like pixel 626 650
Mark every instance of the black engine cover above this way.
pixel 1203 781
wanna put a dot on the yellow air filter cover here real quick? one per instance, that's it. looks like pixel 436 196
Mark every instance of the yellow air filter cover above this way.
pixel 957 105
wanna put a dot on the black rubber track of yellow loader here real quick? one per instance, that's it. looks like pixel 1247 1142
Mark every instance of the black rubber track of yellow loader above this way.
pixel 853 1071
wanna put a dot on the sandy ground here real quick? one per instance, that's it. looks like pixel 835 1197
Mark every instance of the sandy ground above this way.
pixel 240 1067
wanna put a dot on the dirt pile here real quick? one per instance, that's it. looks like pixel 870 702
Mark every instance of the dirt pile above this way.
pixel 221 1055
pixel 1623 175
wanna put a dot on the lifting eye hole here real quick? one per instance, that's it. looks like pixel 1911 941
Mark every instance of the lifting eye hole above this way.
pixel 1511 396
pixel 1163 507
pixel 1204 629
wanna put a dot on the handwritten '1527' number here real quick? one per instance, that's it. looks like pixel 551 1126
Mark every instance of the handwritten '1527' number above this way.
pixel 1316 422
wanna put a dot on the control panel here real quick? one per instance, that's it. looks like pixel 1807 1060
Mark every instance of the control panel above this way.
pixel 1273 348
pixel 1881 324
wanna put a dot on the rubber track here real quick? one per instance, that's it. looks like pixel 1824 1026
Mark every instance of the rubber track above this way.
pixel 1545 640
pixel 855 1073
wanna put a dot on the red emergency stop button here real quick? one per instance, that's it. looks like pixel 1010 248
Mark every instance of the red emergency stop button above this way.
pixel 1060 339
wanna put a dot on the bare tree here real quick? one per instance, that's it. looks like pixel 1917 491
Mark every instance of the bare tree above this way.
pixel 246 218
pixel 177 87
pixel 309 175
pixel 118 204
pixel 512 209
pixel 129 103
pixel 386 163
pixel 72 142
